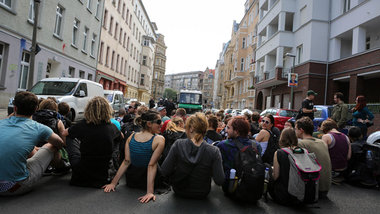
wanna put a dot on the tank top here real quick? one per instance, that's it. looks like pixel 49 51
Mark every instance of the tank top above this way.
pixel 338 150
pixel 140 152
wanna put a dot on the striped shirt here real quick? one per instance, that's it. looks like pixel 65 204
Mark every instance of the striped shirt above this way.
pixel 140 152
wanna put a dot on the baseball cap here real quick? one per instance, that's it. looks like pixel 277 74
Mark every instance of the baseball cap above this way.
pixel 311 92
pixel 160 108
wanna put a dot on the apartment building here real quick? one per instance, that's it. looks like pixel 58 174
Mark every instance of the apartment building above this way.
pixel 127 49
pixel 208 88
pixel 68 37
pixel 334 46
pixel 159 68
pixel 186 80
pixel 220 72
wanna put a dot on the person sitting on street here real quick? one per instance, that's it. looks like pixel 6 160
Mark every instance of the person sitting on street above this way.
pixel 267 139
pixel 192 162
pixel 224 130
pixel 289 124
pixel 237 129
pixel 90 156
pixel 22 164
pixel 255 125
pixel 121 115
pixel 339 149
pixel 64 110
pixel 278 185
pixel 174 131
pixel 211 134
pixel 304 129
pixel 142 152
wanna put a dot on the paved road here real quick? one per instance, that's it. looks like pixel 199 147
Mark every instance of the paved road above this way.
pixel 56 196
pixel 3 113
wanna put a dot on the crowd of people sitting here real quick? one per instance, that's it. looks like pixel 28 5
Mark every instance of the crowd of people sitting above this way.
pixel 246 155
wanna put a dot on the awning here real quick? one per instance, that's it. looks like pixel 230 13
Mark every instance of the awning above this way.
pixel 106 77
pixel 122 83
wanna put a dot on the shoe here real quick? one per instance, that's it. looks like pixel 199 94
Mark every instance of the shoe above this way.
pixel 48 171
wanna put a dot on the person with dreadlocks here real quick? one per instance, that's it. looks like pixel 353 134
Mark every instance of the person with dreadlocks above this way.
pixel 90 156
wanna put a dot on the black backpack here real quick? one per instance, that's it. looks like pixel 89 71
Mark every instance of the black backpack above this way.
pixel 271 148
pixel 250 172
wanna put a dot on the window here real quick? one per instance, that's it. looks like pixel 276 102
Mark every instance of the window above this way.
pixel 107 55
pixel 125 35
pixel 118 6
pixel 128 44
pixel 243 43
pixel 112 60
pixel 6 3
pixel 58 21
pixel 105 19
pixel 116 27
pixel 130 53
pixel 89 77
pixel 144 60
pixel 123 11
pixel 134 26
pixel 110 28
pixel 31 10
pixel 24 70
pixel 346 5
pixel 75 32
pixel 299 54
pixel 120 35
pixel 81 75
pixel 89 4
pixel 2 50
pixel 125 68
pixel 85 34
pixel 121 65
pixel 97 13
pixel 142 79
pixel 100 60
pixel 129 71
pixel 117 63
pixel 368 43
pixel 93 41
pixel 72 72
pixel 126 16
pixel 242 64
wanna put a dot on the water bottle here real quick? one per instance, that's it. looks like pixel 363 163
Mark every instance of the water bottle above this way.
pixel 232 180
pixel 266 181
pixel 369 158
pixel 267 174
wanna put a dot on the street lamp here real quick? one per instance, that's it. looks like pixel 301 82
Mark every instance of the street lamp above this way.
pixel 291 71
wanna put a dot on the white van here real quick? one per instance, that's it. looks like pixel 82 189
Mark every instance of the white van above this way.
pixel 75 92
pixel 115 99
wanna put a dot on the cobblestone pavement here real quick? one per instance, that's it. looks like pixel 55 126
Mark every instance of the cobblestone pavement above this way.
pixel 3 113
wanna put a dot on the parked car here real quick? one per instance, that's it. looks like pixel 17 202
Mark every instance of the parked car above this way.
pixel 227 111
pixel 280 116
pixel 323 112
pixel 115 99
pixel 246 111
pixel 236 112
pixel 74 91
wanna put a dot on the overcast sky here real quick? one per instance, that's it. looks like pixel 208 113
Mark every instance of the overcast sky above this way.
pixel 194 30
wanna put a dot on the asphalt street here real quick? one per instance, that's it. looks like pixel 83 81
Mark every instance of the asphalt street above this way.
pixel 57 196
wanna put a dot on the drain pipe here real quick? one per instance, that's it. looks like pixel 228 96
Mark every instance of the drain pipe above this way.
pixel 328 54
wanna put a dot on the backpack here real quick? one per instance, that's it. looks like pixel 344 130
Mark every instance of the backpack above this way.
pixel 208 140
pixel 271 148
pixel 303 175
pixel 250 172
pixel 299 114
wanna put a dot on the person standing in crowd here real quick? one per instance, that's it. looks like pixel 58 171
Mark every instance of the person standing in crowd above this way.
pixel 151 103
pixel 224 132
pixel 267 139
pixel 91 155
pixel 255 126
pixel 142 152
pixel 304 130
pixel 22 165
pixel 307 109
pixel 192 163
pixel 121 115
pixel 220 117
pixel 162 111
pixel 180 112
pixel 174 131
pixel 237 129
pixel 340 111
pixel 211 134
pixel 132 110
pixel 361 116
pixel 339 149
pixel 278 186
pixel 289 124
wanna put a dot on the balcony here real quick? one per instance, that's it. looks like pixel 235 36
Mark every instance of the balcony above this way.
pixel 271 78
pixel 251 93
pixel 283 38
pixel 278 6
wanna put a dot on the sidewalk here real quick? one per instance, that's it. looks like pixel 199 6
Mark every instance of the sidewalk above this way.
pixel 3 113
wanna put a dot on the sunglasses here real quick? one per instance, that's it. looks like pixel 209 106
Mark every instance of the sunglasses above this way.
pixel 158 122
pixel 265 121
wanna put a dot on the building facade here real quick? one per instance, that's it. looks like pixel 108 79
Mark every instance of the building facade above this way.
pixel 68 36
pixel 127 49
pixel 187 80
pixel 333 45
pixel 159 68
pixel 208 88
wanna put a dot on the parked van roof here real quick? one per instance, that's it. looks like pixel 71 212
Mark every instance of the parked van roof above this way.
pixel 66 79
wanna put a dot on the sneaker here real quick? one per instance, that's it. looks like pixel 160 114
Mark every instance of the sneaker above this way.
pixel 48 171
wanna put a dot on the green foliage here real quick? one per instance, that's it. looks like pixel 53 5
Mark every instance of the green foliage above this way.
pixel 170 93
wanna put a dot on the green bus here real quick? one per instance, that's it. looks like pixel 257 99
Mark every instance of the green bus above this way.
pixel 190 100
